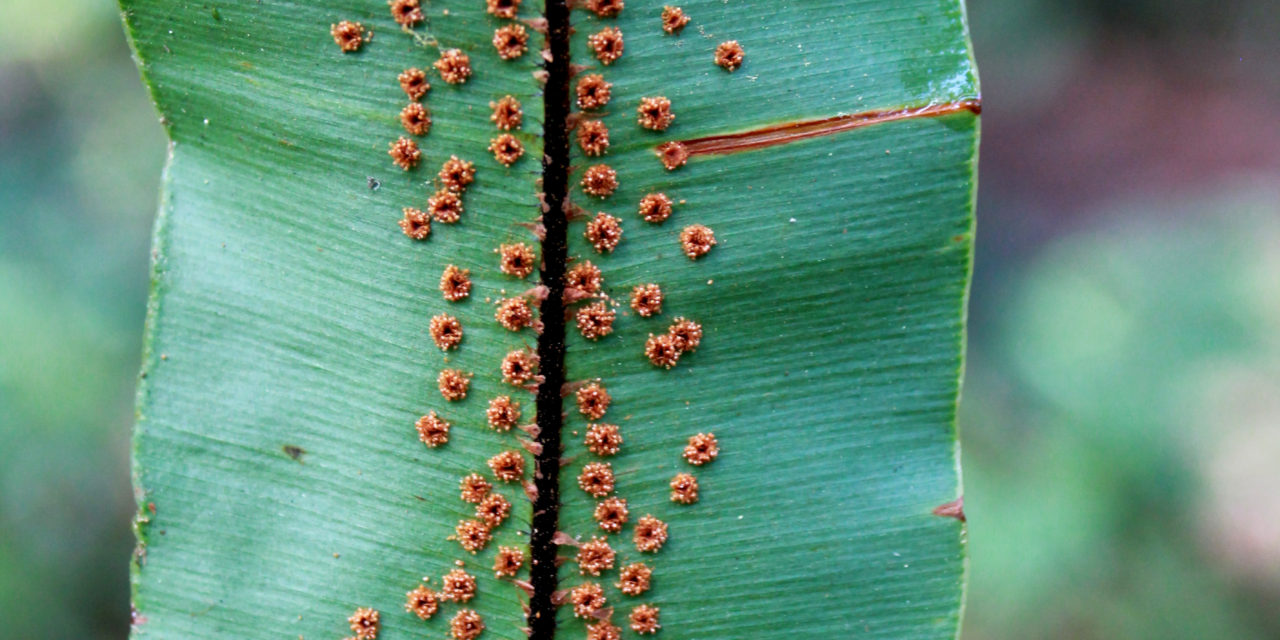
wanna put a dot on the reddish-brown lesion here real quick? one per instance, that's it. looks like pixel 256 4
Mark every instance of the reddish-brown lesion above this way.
pixel 795 131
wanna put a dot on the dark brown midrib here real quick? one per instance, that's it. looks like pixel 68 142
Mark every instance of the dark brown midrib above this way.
pixel 551 346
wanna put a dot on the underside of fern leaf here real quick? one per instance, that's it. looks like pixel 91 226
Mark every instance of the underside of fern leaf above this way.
pixel 635 321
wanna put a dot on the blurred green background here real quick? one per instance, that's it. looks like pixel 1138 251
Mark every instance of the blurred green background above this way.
pixel 1121 417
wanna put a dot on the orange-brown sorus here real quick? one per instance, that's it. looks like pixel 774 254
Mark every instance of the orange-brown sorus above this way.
pixel 454 66
pixel 655 208
pixel 605 8
pixel 600 180
pixel 702 448
pixel 445 331
pixel 466 625
pixel 696 240
pixel 457 173
pixel 458 586
pixel 349 35
pixel 686 333
pixel 405 153
pixel 595 556
pixel 508 561
pixel 473 535
pixel 514 314
pixel 654 113
pixel 729 55
pixel 596 479
pixel 593 91
pixel 673 155
pixel 365 623
pixel 453 384
pixel 433 431
pixel 517 259
pixel 422 602
pixel 503 413
pixel 587 598
pixel 415 119
pixel 507 113
pixel 604 630
pixel 584 277
pixel 511 41
pixel 611 514
pixel 604 232
pixel 474 488
pixel 684 488
pixel 507 466
pixel 646 300
pixel 644 619
pixel 603 439
pixel 593 137
pixel 503 8
pixel 519 366
pixel 416 223
pixel 595 320
pixel 455 283
pixel 673 19
pixel 445 206
pixel 606 44
pixel 406 13
pixel 593 400
pixel 650 534
pixel 414 83
pixel 662 350
pixel 635 578
pixel 506 149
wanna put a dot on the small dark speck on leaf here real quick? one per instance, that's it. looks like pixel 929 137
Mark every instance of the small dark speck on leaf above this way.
pixel 294 451
pixel 374 183
pixel 953 509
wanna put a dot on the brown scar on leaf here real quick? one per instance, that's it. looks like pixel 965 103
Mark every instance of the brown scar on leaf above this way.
pixel 293 451
pixel 511 41
pixel 349 36
pixel 953 509
pixel 794 131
